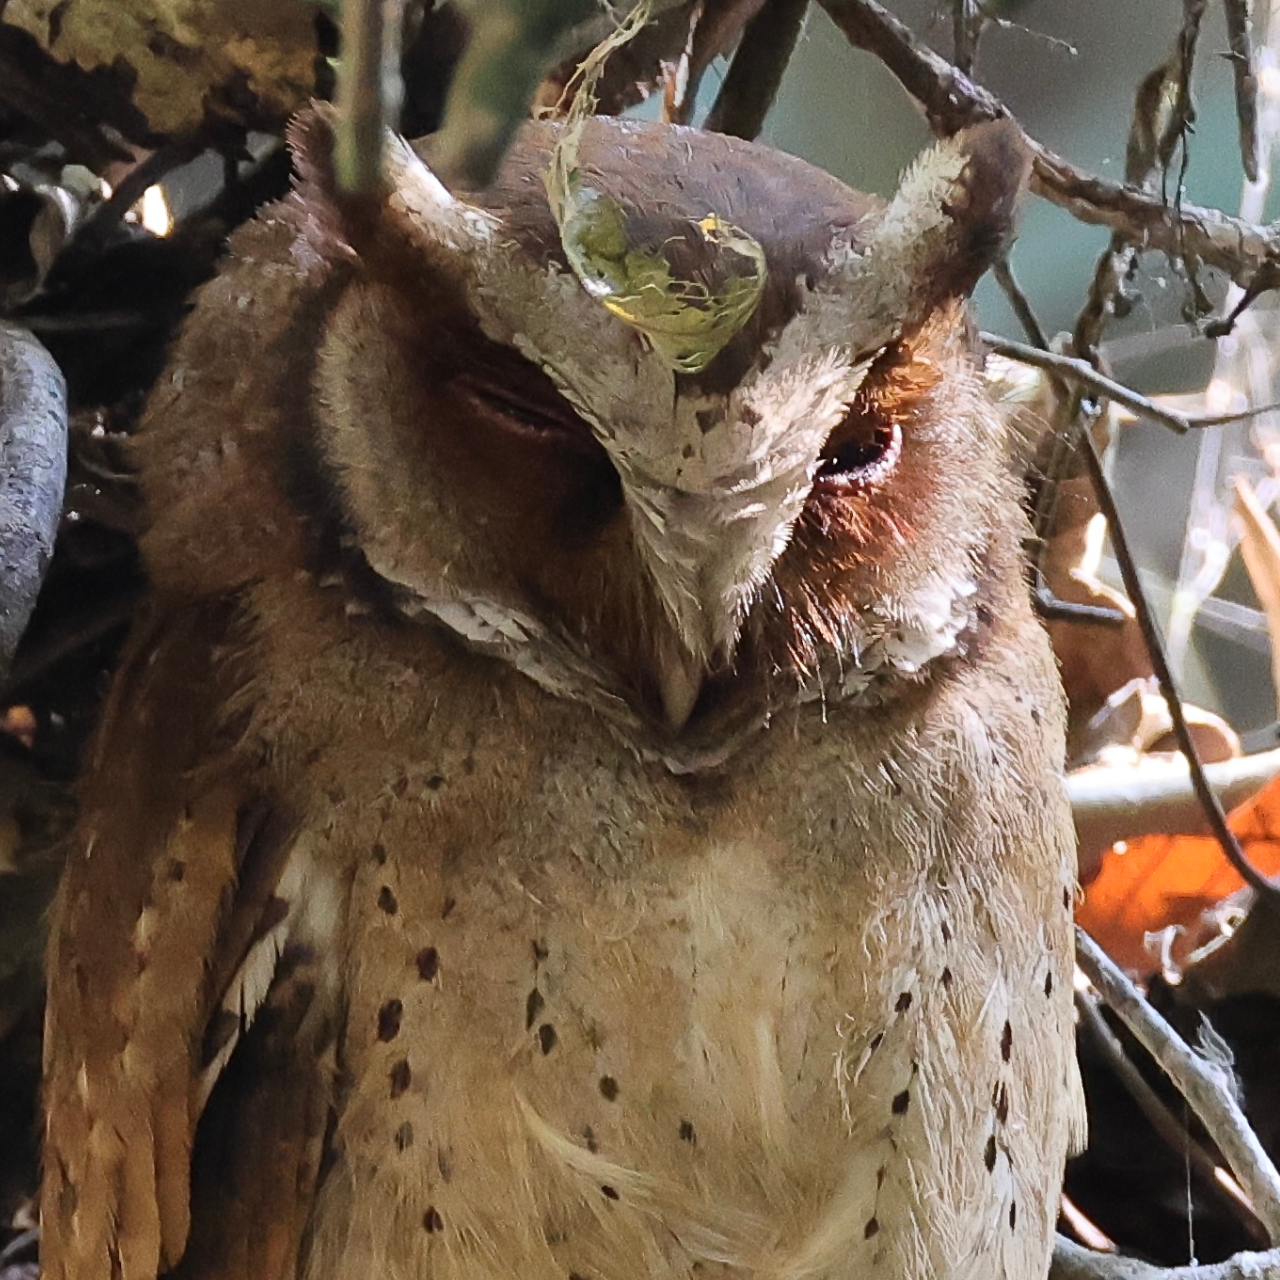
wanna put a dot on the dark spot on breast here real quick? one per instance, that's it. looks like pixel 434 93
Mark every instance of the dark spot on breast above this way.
pixel 1002 1103
pixel 1048 983
pixel 873 1225
pixel 709 419
pixel 608 1088
pixel 1013 1215
pixel 444 1162
pixel 404 1137
pixel 881 1173
pixel 447 910
pixel 589 1137
pixel 609 1193
pixel 400 1076
pixel 435 782
pixel 177 870
pixel 989 1154
pixel 947 977
pixel 876 1041
pixel 946 932
pixel 1035 715
pixel 540 951
pixel 387 900
pixel 687 1133
pixel 748 416
pixel 389 1020
pixel 904 1003
pixel 1066 899
pixel 428 962
pixel 1006 1041
pixel 532 1007
pixel 547 1037
pixel 900 1102
pixel 432 1221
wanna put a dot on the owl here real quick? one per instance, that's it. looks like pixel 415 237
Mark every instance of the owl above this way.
pixel 566 812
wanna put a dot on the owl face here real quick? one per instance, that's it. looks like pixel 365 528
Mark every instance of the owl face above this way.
pixel 521 464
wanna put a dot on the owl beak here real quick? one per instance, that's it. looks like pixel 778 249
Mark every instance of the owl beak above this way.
pixel 680 676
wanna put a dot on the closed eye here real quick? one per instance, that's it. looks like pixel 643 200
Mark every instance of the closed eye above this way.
pixel 544 418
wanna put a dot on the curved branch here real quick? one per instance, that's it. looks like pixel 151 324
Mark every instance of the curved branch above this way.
pixel 951 101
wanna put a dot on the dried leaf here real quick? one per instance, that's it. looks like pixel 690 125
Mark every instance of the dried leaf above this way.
pixel 1156 881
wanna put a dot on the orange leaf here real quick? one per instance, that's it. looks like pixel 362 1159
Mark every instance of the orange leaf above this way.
pixel 1155 881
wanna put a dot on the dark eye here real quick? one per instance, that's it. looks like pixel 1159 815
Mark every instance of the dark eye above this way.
pixel 861 449
pixel 867 441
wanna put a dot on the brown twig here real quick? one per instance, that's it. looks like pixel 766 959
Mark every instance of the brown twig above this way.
pixel 1207 1087
pixel 1004 277
pixel 952 101
pixel 1208 798
pixel 966 31
pixel 1240 44
pixel 368 92
pixel 755 74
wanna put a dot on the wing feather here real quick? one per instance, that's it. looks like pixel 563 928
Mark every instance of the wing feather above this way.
pixel 169 881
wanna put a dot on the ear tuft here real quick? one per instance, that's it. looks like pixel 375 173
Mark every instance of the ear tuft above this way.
pixel 950 218
pixel 984 198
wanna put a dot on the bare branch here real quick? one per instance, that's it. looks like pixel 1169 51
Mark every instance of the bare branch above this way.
pixel 755 73
pixel 1240 42
pixel 1084 374
pixel 1154 642
pixel 951 101
pixel 1072 1262
pixel 1212 1177
pixel 1207 1087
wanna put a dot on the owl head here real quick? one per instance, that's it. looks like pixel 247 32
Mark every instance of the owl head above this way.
pixel 806 513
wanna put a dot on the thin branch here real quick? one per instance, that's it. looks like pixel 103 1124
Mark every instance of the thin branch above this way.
pixel 1004 277
pixel 952 101
pixel 1154 643
pixel 755 74
pixel 1084 374
pixel 1073 1262
pixel 369 91
pixel 1240 44
pixel 966 30
pixel 1171 1131
pixel 1183 115
pixel 1207 1087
